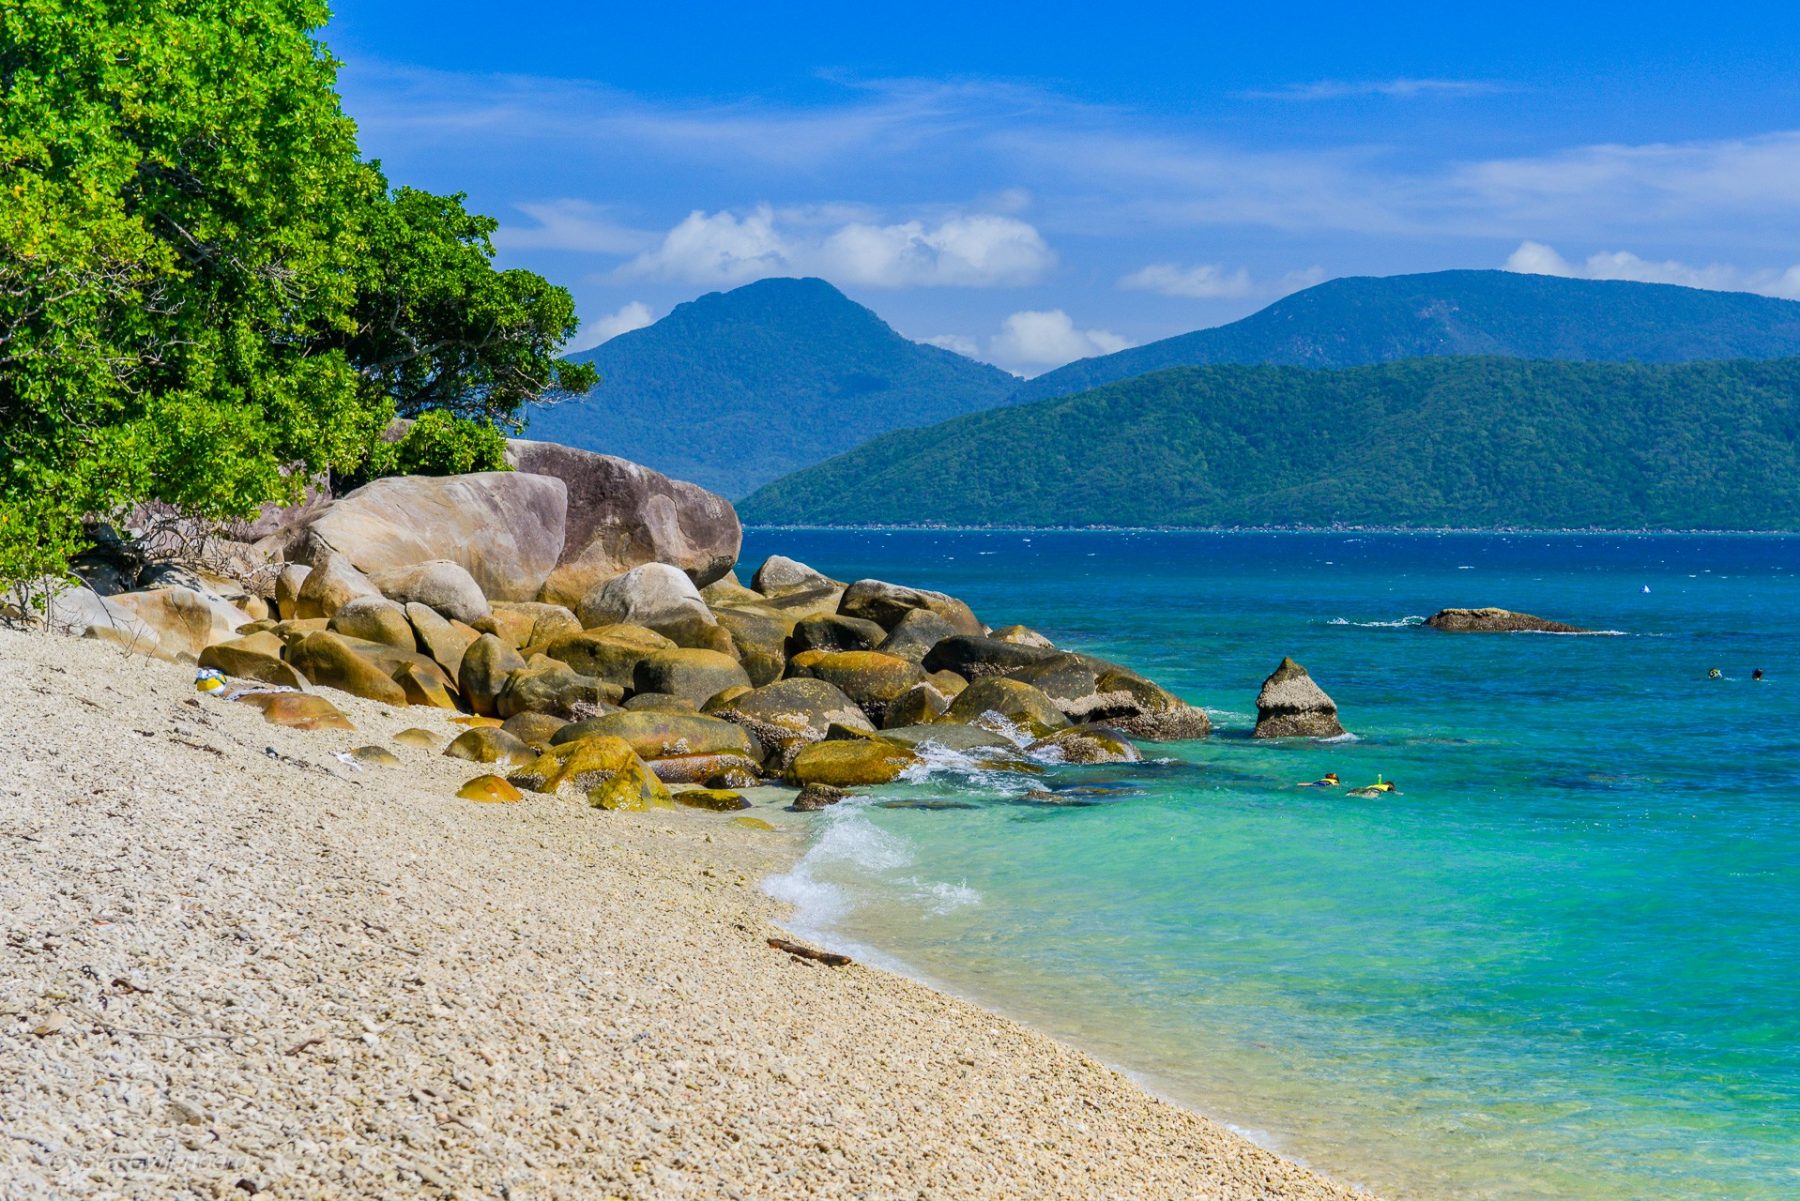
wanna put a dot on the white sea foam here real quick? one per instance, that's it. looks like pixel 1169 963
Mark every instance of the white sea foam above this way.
pixel 940 896
pixel 1402 624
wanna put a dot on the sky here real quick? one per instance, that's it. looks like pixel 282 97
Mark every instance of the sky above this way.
pixel 1030 184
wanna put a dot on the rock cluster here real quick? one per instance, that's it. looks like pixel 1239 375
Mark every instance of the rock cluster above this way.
pixel 584 613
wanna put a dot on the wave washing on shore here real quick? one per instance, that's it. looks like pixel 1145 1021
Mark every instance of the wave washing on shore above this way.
pixel 1559 963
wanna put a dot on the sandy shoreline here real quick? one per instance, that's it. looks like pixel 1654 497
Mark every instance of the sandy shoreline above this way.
pixel 234 965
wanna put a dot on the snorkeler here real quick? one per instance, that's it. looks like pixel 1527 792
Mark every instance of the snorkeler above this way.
pixel 1380 786
pixel 1715 674
pixel 1328 780
pixel 1757 674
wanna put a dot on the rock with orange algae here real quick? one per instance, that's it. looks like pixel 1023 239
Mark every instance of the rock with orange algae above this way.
pixel 490 790
pixel 603 771
pixel 298 710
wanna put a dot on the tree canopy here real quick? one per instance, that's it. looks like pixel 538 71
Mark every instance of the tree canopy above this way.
pixel 206 295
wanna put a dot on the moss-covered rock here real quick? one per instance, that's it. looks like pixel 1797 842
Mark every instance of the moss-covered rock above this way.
pixel 534 623
pixel 418 739
pixel 718 800
pixel 760 636
pixel 973 657
pixel 871 679
pixel 551 686
pixel 1087 689
pixel 789 714
pixel 915 634
pixel 604 772
pixel 535 730
pixel 374 619
pixel 835 632
pixel 714 771
pixel 327 660
pixel 886 604
pixel 436 635
pixel 490 744
pixel 1086 744
pixel 663 735
pixel 697 675
pixel 851 764
pixel 611 653
pixel 950 736
pixel 1024 636
pixel 919 704
pixel 484 670
pixel 997 699
pixel 659 702
pixel 815 797
pixel 424 684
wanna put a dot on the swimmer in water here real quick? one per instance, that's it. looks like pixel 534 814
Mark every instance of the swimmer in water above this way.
pixel 1757 674
pixel 1715 674
pixel 1328 780
pixel 1379 787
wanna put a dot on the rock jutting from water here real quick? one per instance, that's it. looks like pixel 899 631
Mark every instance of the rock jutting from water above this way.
pixel 1291 705
pixel 1496 621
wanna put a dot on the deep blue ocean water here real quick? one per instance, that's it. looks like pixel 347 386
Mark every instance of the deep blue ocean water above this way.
pixel 1562 962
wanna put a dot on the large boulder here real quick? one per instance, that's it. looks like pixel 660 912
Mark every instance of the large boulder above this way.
pixel 550 686
pixel 850 763
pixel 697 675
pixel 490 744
pixel 658 597
pixel 1496 621
pixel 1291 705
pixel 330 661
pixel 504 527
pixel 483 673
pixel 288 582
pixel 886 604
pixel 622 515
pixel 997 700
pixel 440 584
pixel 760 636
pixel 375 619
pixel 835 632
pixel 604 772
pixel 610 652
pixel 333 582
pixel 973 656
pixel 871 679
pixel 444 640
pixel 780 575
pixel 662 735
pixel 253 657
pixel 533 623
pixel 1087 689
pixel 915 635
pixel 185 622
pixel 917 705
pixel 789 714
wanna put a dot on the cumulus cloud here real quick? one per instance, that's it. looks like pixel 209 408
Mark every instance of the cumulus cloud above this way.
pixel 1033 341
pixel 969 348
pixel 1536 258
pixel 570 225
pixel 976 250
pixel 1207 281
pixel 635 315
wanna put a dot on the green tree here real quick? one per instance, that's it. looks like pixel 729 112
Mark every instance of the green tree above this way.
pixel 206 296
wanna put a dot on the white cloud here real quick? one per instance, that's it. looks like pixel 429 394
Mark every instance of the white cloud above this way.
pixel 635 315
pixel 976 250
pixel 969 348
pixel 1041 340
pixel 1207 281
pixel 1535 258
pixel 570 225
pixel 1404 89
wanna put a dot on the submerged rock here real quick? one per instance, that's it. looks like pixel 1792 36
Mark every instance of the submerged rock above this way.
pixel 1496 621
pixel 815 797
pixel 1087 744
pixel 718 800
pixel 1291 705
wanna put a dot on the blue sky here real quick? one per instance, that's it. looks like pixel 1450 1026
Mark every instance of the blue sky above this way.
pixel 1030 184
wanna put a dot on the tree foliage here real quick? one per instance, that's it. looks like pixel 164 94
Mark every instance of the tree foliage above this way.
pixel 206 296
pixel 1435 442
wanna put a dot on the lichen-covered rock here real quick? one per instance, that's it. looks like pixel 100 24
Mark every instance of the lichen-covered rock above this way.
pixel 854 763
pixel 505 528
pixel 185 621
pixel 1024 636
pixel 444 640
pixel 327 660
pixel 663 735
pixel 374 619
pixel 996 699
pixel 298 710
pixel 424 684
pixel 490 790
pixel 1496 621
pixel 886 604
pixel 657 597
pixel 1087 689
pixel 697 675
pixel 815 797
pixel 722 699
pixel 915 634
pixel 1291 705
pixel 917 705
pixel 779 575
pixel 1086 744
pixel 534 729
pixel 604 772
pixel 834 632
pixel 489 744
pixel 788 714
pixel 974 656
pixel 714 771
pixel 622 515
pixel 610 652
pixel 760 636
pixel 439 584
pixel 483 673
pixel 553 687
pixel 728 590
pixel 534 623
pixel 950 736
pixel 253 657
pixel 333 582
pixel 717 800
pixel 659 702
pixel 871 679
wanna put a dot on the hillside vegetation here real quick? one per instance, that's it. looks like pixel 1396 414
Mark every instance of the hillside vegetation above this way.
pixel 1355 321
pixel 1473 442
pixel 738 388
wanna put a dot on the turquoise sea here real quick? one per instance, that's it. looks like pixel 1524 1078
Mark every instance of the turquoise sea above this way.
pixel 1562 962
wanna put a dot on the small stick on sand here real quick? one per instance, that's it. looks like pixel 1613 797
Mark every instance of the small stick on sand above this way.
pixel 829 958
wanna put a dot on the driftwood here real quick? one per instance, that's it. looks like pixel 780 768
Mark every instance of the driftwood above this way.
pixel 829 958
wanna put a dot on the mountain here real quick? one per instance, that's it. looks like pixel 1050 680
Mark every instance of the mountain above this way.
pixel 1469 442
pixel 1358 320
pixel 737 388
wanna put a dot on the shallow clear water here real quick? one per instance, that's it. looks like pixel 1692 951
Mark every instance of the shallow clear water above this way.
pixel 1563 962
